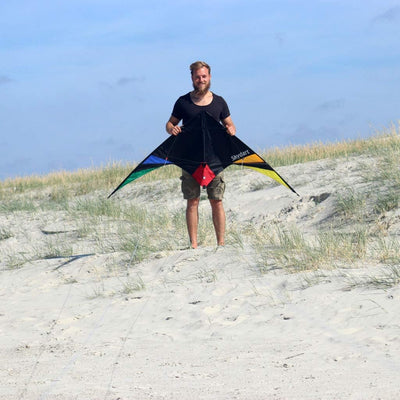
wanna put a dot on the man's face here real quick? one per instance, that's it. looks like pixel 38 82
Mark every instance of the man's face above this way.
pixel 201 79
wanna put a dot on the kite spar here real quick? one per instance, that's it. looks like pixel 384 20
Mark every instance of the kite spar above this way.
pixel 203 149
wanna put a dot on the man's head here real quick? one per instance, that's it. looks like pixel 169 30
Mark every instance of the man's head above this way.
pixel 199 64
pixel 201 77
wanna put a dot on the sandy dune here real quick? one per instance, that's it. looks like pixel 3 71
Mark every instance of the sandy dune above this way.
pixel 199 324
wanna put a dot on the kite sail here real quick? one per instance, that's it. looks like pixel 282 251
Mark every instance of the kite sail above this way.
pixel 203 149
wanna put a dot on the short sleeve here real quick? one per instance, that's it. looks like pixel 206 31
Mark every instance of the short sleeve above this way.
pixel 177 110
pixel 225 113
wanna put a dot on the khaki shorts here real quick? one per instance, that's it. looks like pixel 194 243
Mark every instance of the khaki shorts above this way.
pixel 191 188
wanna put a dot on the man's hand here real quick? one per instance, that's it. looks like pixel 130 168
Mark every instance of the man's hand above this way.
pixel 231 130
pixel 175 130
pixel 229 126
pixel 172 126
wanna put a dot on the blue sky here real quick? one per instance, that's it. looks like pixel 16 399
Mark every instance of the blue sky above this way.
pixel 88 82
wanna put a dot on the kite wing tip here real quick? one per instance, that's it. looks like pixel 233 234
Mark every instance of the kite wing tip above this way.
pixel 111 194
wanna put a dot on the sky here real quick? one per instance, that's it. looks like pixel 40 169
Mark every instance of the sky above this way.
pixel 85 83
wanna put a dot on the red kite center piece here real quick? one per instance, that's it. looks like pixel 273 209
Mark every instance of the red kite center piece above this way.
pixel 203 175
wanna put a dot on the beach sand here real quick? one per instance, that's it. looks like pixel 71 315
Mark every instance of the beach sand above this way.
pixel 204 323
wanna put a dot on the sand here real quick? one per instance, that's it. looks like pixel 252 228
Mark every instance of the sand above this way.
pixel 199 324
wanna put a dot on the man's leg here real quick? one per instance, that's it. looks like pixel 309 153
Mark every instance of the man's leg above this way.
pixel 192 220
pixel 218 217
pixel 191 192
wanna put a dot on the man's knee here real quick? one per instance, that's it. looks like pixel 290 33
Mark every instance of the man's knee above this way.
pixel 216 204
pixel 193 203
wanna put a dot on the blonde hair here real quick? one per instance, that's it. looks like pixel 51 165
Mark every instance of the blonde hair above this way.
pixel 199 64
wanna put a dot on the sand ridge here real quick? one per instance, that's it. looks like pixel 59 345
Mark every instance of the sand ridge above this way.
pixel 198 324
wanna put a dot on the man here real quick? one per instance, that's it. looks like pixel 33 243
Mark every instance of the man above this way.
pixel 185 108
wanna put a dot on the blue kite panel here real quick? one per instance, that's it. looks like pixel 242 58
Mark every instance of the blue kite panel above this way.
pixel 155 160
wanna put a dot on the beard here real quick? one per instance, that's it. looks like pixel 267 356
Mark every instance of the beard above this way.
pixel 201 91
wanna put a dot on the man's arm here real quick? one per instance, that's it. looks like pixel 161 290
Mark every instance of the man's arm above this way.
pixel 229 125
pixel 172 126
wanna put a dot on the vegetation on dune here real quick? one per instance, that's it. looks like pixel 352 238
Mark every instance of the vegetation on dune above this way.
pixel 361 224
pixel 387 139
pixel 106 178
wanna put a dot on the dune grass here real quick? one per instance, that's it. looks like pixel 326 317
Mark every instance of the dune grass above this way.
pixel 289 249
pixel 387 139
pixel 106 178
pixel 139 231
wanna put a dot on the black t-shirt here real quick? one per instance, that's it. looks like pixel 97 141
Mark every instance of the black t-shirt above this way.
pixel 184 108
